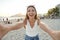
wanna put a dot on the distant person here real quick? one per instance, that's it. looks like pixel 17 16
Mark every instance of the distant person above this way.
pixel 7 21
pixel 3 19
pixel 18 20
pixel 31 23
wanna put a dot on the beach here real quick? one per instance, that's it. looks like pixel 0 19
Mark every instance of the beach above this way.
pixel 20 33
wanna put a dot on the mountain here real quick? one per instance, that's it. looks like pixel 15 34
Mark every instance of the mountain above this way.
pixel 18 15
pixel 21 15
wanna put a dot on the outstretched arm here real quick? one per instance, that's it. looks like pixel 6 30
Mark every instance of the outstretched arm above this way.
pixel 44 26
pixel 4 29
pixel 17 25
pixel 14 26
pixel 54 34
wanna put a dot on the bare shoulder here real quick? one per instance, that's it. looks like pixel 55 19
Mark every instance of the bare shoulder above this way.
pixel 25 22
pixel 39 21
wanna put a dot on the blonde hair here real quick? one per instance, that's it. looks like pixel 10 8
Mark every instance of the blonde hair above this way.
pixel 35 11
pixel 27 14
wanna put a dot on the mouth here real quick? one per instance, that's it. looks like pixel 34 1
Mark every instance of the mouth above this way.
pixel 31 15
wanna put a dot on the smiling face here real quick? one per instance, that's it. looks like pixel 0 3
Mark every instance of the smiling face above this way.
pixel 31 12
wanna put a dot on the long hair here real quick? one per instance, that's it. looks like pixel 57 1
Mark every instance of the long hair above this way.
pixel 34 9
pixel 27 14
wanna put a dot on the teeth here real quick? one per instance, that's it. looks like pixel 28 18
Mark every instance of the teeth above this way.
pixel 31 15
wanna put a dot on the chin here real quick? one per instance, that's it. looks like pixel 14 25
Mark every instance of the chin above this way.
pixel 31 17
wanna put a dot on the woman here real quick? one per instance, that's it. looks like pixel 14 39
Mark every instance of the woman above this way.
pixel 31 24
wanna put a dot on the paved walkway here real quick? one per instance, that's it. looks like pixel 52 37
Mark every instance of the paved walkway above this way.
pixel 20 33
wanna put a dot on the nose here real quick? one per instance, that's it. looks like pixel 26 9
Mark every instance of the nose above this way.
pixel 31 12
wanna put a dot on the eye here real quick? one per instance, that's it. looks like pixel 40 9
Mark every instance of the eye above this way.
pixel 32 10
pixel 28 11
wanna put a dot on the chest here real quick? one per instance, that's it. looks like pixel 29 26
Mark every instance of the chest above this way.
pixel 31 25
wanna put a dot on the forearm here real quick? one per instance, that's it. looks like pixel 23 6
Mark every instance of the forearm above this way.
pixel 14 26
pixel 17 26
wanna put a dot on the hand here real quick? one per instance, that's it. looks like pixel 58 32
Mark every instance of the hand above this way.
pixel 1 27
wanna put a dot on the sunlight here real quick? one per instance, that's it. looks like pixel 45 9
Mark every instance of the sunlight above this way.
pixel 12 7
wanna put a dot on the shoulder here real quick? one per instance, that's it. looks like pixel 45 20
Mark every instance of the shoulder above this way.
pixel 25 23
pixel 38 20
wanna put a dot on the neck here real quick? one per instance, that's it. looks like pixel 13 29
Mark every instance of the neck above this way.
pixel 31 20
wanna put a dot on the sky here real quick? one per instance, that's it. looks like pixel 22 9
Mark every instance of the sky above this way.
pixel 12 7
